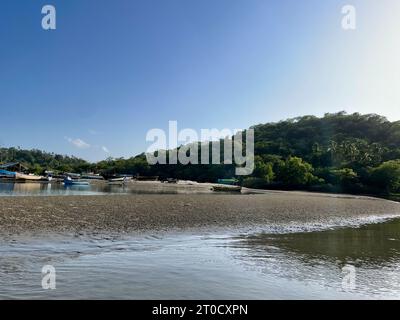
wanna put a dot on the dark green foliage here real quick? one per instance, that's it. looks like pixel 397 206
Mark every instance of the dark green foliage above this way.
pixel 341 149
pixel 296 172
pixel 38 161
pixel 387 176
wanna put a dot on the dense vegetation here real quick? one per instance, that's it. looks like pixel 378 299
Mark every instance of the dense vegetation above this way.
pixel 336 153
pixel 339 152
pixel 38 161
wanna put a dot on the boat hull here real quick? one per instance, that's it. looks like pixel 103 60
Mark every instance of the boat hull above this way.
pixel 27 177
pixel 75 183
pixel 226 188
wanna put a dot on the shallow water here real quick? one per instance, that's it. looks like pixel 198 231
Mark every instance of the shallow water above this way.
pixel 251 266
pixel 97 188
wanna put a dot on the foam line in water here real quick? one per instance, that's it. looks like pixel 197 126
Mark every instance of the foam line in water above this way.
pixel 329 224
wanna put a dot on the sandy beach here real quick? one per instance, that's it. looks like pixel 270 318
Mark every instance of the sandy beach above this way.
pixel 197 246
pixel 147 212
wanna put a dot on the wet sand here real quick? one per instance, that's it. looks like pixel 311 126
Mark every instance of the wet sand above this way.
pixel 153 212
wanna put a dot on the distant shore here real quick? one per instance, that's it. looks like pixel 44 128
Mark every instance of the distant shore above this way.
pixel 158 212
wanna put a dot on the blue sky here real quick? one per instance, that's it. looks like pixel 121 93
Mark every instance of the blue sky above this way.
pixel 112 70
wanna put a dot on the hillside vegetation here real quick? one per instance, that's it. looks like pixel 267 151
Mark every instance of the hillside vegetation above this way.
pixel 336 153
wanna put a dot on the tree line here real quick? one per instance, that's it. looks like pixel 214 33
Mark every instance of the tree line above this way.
pixel 338 152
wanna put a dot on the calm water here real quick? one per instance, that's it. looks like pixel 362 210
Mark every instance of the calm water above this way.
pixel 97 188
pixel 258 266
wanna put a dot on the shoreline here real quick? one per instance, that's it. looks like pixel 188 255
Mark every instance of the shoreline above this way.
pixel 195 188
pixel 140 213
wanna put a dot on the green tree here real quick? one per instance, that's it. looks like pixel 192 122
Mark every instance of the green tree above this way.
pixel 387 176
pixel 263 170
pixel 344 176
pixel 37 169
pixel 295 171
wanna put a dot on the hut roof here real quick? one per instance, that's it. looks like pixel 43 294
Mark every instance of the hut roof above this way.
pixel 13 165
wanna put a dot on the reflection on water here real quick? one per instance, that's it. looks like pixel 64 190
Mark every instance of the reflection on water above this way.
pixel 97 188
pixel 293 266
pixel 369 245
pixel 374 250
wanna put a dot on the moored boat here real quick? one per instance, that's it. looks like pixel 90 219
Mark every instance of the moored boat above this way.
pixel 27 177
pixel 69 182
pixel 72 175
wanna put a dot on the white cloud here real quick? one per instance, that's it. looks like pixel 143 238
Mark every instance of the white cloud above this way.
pixel 79 143
pixel 105 149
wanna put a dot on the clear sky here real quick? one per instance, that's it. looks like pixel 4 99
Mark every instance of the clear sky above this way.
pixel 112 70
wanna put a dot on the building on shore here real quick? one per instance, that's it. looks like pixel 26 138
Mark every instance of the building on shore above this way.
pixel 14 167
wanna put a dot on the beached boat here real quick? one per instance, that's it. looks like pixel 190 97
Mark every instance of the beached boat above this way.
pixel 28 177
pixel 69 182
pixel 187 182
pixel 226 188
pixel 231 181
pixel 118 181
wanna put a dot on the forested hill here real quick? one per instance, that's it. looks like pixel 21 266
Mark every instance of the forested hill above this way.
pixel 338 152
pixel 357 138
pixel 38 161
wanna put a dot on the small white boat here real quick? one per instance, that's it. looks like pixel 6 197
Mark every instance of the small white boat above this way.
pixel 29 177
pixel 69 182
pixel 120 180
